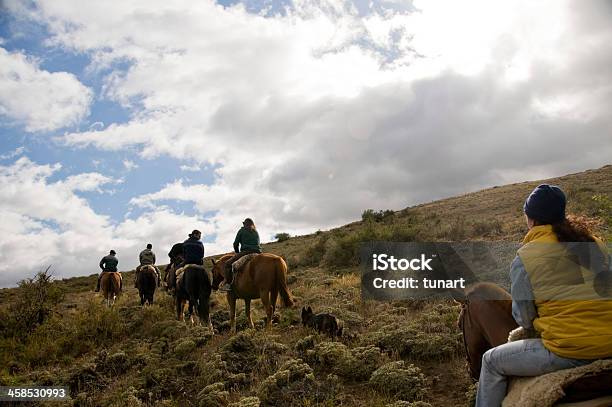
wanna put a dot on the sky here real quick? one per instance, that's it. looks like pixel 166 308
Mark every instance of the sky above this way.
pixel 136 121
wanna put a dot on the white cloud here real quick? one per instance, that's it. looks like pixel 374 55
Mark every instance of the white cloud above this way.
pixel 12 154
pixel 46 222
pixel 129 165
pixel 38 99
pixel 194 168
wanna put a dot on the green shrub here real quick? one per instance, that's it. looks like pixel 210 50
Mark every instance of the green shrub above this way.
pixel 399 379
pixel 184 347
pixel 34 303
pixel 351 364
pixel 293 382
pixel 213 395
pixel 431 336
pixel 402 403
pixel 247 402
pixel 370 215
pixel 281 237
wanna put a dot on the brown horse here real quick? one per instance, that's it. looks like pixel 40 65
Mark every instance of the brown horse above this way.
pixel 146 282
pixel 264 277
pixel 110 284
pixel 485 321
pixel 170 277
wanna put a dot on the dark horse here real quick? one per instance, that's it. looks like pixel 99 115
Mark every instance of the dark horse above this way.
pixel 194 286
pixel 264 277
pixel 485 321
pixel 147 281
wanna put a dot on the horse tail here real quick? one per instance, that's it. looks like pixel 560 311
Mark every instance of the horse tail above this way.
pixel 116 284
pixel 281 282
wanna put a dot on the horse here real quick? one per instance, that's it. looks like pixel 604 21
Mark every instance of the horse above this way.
pixel 146 282
pixel 170 277
pixel 194 286
pixel 110 284
pixel 485 321
pixel 263 277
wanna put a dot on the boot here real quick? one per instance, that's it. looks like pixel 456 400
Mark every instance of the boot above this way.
pixel 98 285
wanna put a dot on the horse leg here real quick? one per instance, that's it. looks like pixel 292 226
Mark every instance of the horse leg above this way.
pixel 180 305
pixel 232 306
pixel 273 297
pixel 265 300
pixel 247 311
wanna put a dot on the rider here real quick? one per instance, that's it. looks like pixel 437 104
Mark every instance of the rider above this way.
pixel 246 242
pixel 175 253
pixel 108 264
pixel 572 331
pixel 146 257
pixel 193 249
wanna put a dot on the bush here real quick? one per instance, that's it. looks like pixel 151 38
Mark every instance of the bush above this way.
pixel 213 395
pixel 431 336
pixel 402 403
pixel 351 364
pixel 281 237
pixel 399 379
pixel 36 299
pixel 293 382
pixel 370 215
pixel 247 402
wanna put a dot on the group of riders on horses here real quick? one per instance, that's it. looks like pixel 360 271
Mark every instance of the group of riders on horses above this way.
pixel 565 332
pixel 191 251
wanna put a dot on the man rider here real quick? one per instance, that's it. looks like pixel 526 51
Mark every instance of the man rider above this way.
pixel 146 257
pixel 108 263
pixel 193 249
pixel 246 242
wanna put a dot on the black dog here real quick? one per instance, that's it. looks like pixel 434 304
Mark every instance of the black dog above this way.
pixel 326 323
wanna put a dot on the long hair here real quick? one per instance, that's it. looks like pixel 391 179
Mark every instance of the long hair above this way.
pixel 574 229
pixel 248 222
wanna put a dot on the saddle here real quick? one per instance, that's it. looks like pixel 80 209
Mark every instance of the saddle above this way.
pixel 239 264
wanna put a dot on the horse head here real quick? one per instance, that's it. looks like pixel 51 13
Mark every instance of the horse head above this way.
pixel 218 271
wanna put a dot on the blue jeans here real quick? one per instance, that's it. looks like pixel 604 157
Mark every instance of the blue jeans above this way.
pixel 527 357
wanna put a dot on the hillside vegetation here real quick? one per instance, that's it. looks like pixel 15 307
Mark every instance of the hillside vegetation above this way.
pixel 400 354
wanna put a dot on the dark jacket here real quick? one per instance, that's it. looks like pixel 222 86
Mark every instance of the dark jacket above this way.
pixel 147 257
pixel 193 251
pixel 176 250
pixel 109 263
pixel 247 240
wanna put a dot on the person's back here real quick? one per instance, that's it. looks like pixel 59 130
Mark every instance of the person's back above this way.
pixel 193 249
pixel 175 252
pixel 247 240
pixel 108 264
pixel 147 257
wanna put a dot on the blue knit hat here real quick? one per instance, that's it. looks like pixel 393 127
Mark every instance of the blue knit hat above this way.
pixel 546 204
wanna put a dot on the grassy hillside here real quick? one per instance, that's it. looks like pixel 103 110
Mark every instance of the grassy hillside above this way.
pixel 406 350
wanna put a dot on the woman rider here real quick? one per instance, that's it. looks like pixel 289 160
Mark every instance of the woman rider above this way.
pixel 246 242
pixel 556 292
